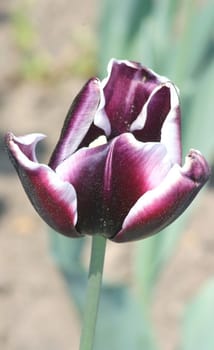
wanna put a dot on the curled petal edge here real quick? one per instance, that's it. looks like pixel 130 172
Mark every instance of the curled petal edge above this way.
pixel 78 122
pixel 171 128
pixel 159 207
pixel 54 200
pixel 132 64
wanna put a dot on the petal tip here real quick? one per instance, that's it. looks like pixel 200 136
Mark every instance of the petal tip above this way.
pixel 196 167
pixel 8 138
pixel 21 149
pixel 94 82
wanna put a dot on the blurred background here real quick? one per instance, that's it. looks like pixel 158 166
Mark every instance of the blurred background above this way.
pixel 158 293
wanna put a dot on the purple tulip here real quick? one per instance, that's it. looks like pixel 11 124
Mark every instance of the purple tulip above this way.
pixel 132 185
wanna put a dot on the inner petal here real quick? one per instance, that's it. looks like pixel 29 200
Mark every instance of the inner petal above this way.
pixel 153 116
pixel 126 91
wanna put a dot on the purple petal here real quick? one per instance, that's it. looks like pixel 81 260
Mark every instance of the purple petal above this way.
pixel 152 116
pixel 85 171
pixel 78 122
pixel 171 130
pixel 132 168
pixel 110 178
pixel 161 206
pixel 126 90
pixel 159 120
pixel 54 199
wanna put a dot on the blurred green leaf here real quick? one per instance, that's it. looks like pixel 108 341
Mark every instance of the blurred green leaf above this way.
pixel 35 66
pixel 122 323
pixel 201 35
pixel 119 23
pixel 146 268
pixel 66 251
pixel 198 126
pixel 152 255
pixel 67 254
pixel 197 329
pixel 159 39
pixel 193 40
pixel 23 31
pixel 142 47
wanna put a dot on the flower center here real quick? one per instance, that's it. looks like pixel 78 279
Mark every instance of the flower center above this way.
pixel 101 140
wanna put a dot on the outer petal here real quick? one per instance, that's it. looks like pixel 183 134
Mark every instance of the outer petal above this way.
pixel 85 170
pixel 54 199
pixel 126 90
pixel 159 120
pixel 132 168
pixel 110 178
pixel 159 207
pixel 78 122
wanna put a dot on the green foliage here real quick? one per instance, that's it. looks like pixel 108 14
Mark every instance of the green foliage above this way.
pixel 67 254
pixel 194 42
pixel 34 65
pixel 122 323
pixel 120 22
pixel 197 330
pixel 121 320
pixel 151 256
pixel 198 129
pixel 24 33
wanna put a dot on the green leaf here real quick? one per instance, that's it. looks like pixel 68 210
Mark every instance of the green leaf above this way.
pixel 163 21
pixel 23 31
pixel 142 46
pixel 67 254
pixel 151 256
pixel 201 35
pixel 193 41
pixel 120 21
pixel 198 125
pixel 66 251
pixel 122 323
pixel 197 329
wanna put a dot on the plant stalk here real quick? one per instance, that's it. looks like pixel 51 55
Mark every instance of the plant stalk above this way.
pixel 93 292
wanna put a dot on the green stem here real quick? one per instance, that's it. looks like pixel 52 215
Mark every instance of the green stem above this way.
pixel 93 292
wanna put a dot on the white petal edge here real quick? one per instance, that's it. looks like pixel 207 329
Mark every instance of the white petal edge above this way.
pixel 30 140
pixel 171 129
pixel 170 132
pixel 67 192
pixel 162 79
pixel 140 121
pixel 101 119
pixel 160 206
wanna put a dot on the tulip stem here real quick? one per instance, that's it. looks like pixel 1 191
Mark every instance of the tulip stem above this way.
pixel 93 292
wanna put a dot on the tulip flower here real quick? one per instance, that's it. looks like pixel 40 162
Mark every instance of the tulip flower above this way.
pixel 128 185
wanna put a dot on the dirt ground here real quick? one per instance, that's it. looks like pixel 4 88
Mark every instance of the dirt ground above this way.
pixel 36 311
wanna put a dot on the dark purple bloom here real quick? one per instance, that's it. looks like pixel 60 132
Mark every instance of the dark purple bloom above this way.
pixel 130 186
